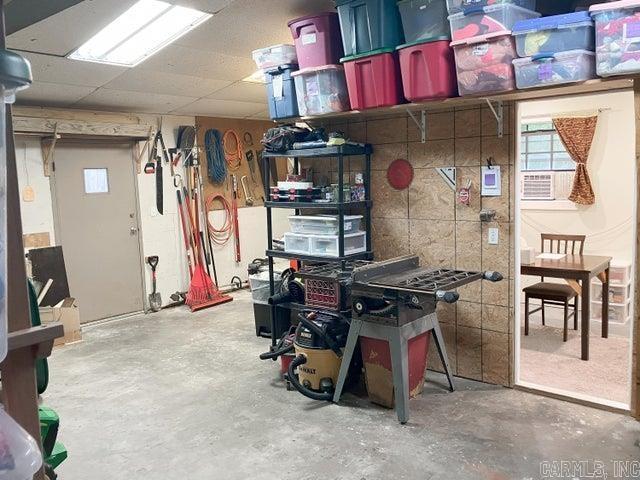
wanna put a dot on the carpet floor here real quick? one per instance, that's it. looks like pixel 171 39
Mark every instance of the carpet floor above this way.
pixel 548 361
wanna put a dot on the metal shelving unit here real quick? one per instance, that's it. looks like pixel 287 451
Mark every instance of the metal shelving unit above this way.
pixel 341 207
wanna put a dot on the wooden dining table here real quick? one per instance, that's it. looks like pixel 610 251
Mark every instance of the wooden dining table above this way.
pixel 578 271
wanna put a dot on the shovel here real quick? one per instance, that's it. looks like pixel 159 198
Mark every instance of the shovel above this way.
pixel 155 301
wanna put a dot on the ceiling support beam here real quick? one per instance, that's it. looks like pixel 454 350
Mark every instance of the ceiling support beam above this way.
pixel 49 126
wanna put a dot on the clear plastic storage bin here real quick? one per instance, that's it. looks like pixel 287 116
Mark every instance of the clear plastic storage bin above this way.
pixel 297 243
pixel 321 90
pixel 617 37
pixel 554 69
pixel 456 6
pixel 423 19
pixel 327 245
pixel 484 64
pixel 482 21
pixel 323 224
pixel 275 56
pixel 558 33
pixel 617 313
pixel 619 294
pixel 620 273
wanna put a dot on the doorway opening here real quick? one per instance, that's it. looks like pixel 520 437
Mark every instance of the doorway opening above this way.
pixel 575 223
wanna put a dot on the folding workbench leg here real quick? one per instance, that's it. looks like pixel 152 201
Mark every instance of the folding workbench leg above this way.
pixel 399 348
pixel 352 340
pixel 442 351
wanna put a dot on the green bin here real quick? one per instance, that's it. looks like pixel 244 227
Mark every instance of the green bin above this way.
pixel 368 25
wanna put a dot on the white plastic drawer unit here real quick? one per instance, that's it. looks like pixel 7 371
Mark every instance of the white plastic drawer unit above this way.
pixel 617 313
pixel 327 245
pixel 297 243
pixel 324 224
pixel 618 294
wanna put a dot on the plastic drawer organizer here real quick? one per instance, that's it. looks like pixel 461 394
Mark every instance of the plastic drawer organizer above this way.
pixel 369 25
pixel 324 224
pixel 554 69
pixel 321 90
pixel 559 33
pixel 275 56
pixel 484 64
pixel 487 20
pixel 617 37
pixel 617 313
pixel 456 6
pixel 324 245
pixel 423 19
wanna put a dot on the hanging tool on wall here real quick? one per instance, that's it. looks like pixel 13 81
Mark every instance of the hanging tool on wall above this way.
pixel 185 232
pixel 246 189
pixel 233 150
pixel 251 160
pixel 234 211
pixel 205 225
pixel 216 163
pixel 158 153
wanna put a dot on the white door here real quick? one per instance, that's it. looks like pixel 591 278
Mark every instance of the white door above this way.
pixel 97 226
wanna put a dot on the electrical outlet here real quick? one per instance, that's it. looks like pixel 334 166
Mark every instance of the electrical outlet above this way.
pixel 494 236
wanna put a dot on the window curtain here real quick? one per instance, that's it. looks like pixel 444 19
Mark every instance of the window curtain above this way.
pixel 577 136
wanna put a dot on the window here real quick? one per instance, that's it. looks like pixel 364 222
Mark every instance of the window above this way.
pixel 96 180
pixel 542 150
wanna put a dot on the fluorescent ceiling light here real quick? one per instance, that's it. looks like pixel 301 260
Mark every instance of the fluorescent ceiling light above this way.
pixel 256 77
pixel 146 28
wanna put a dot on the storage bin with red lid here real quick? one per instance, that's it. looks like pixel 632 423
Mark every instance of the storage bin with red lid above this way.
pixel 484 63
pixel 317 39
pixel 373 79
pixel 428 69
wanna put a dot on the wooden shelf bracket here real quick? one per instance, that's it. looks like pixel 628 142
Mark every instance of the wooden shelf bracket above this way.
pixel 498 112
pixel 48 145
pixel 421 124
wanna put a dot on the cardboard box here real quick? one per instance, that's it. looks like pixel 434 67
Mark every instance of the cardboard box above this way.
pixel 67 313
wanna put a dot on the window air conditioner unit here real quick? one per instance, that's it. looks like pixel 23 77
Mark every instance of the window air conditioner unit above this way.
pixel 537 186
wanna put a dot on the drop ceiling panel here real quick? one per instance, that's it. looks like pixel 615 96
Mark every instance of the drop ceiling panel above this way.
pixel 210 6
pixel 54 69
pixel 126 101
pixel 66 31
pixel 248 24
pixel 52 94
pixel 188 61
pixel 138 80
pixel 221 108
pixel 242 92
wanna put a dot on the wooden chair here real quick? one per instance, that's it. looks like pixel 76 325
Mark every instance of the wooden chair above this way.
pixel 555 293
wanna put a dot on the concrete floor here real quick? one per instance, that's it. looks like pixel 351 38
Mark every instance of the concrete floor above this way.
pixel 177 396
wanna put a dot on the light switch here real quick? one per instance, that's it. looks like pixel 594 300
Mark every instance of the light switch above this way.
pixel 494 236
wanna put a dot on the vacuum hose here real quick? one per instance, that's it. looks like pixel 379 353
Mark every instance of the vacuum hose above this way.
pixel 276 353
pixel 293 378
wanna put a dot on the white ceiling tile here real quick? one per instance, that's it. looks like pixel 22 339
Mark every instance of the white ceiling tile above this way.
pixel 52 94
pixel 140 80
pixel 64 32
pixel 126 101
pixel 220 108
pixel 248 24
pixel 210 6
pixel 242 92
pixel 188 61
pixel 53 69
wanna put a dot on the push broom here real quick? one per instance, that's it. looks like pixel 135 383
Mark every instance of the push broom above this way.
pixel 203 293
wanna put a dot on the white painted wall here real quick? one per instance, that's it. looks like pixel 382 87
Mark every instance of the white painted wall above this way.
pixel 161 234
pixel 609 224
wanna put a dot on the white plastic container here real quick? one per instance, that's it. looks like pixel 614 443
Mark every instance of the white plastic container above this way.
pixel 297 243
pixel 620 273
pixel 456 6
pixel 617 37
pixel 555 69
pixel 20 454
pixel 327 245
pixel 321 90
pixel 324 224
pixel 275 56
pixel 618 294
pixel 483 21
pixel 617 313
pixel 485 64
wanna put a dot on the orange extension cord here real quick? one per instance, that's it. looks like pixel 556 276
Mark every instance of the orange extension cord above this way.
pixel 233 155
pixel 220 236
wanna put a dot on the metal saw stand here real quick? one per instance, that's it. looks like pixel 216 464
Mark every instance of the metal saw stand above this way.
pixel 398 338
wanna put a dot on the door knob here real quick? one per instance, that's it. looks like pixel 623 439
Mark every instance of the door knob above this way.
pixel 133 230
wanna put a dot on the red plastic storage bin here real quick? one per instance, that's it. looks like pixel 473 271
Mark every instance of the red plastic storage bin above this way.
pixel 376 357
pixel 428 70
pixel 317 39
pixel 373 79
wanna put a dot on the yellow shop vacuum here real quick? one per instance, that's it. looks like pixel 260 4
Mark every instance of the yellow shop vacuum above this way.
pixel 319 341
